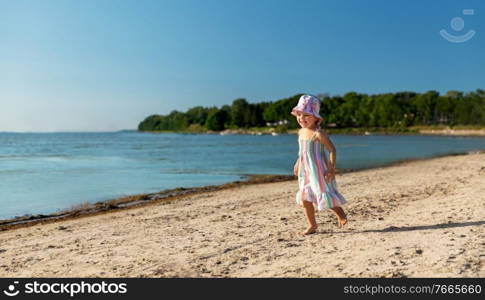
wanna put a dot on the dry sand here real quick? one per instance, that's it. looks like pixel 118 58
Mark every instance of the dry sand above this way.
pixel 416 219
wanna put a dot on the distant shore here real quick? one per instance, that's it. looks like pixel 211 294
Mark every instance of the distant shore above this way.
pixel 461 132
pixel 420 130
pixel 414 219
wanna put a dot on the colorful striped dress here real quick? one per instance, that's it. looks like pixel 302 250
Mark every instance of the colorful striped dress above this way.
pixel 312 185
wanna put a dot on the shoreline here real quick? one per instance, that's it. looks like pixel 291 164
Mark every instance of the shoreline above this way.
pixel 168 195
pixel 132 202
pixel 418 130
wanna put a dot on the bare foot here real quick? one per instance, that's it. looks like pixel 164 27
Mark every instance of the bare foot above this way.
pixel 341 222
pixel 310 230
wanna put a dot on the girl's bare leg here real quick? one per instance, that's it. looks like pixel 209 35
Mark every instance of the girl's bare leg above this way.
pixel 310 216
pixel 342 218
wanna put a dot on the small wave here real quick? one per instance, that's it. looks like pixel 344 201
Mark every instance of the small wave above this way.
pixel 352 145
pixel 186 171
pixel 82 146
pixel 203 172
pixel 16 172
pixel 32 156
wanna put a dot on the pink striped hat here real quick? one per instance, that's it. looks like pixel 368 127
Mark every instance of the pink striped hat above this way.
pixel 308 104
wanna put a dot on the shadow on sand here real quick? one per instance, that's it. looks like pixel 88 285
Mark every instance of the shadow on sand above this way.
pixel 424 227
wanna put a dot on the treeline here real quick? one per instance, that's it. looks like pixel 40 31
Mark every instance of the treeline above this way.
pixel 353 110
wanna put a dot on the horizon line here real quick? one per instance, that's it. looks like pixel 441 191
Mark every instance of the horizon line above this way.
pixel 73 131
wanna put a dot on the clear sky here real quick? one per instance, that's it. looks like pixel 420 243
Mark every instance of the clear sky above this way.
pixel 105 65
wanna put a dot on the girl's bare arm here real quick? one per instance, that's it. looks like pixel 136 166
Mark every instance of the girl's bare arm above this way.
pixel 297 163
pixel 295 168
pixel 325 140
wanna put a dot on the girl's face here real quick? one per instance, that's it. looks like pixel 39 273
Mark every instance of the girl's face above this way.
pixel 306 120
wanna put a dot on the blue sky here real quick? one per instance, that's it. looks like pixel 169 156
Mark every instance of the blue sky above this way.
pixel 106 65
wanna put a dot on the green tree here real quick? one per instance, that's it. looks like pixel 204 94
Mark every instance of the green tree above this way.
pixel 424 106
pixel 363 113
pixel 149 123
pixel 197 115
pixel 329 110
pixel 347 109
pixel 216 120
pixel 240 113
pixel 255 118
pixel 443 113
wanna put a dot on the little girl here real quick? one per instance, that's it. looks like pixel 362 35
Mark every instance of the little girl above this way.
pixel 316 173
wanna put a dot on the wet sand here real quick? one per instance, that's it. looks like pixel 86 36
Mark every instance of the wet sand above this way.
pixel 415 219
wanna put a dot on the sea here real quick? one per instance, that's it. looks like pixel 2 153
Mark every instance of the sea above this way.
pixel 42 173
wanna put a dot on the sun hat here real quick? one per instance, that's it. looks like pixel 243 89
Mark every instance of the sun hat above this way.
pixel 308 104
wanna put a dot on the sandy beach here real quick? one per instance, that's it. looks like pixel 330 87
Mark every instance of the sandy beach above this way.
pixel 415 219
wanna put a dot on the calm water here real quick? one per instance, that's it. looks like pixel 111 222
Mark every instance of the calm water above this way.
pixel 46 172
